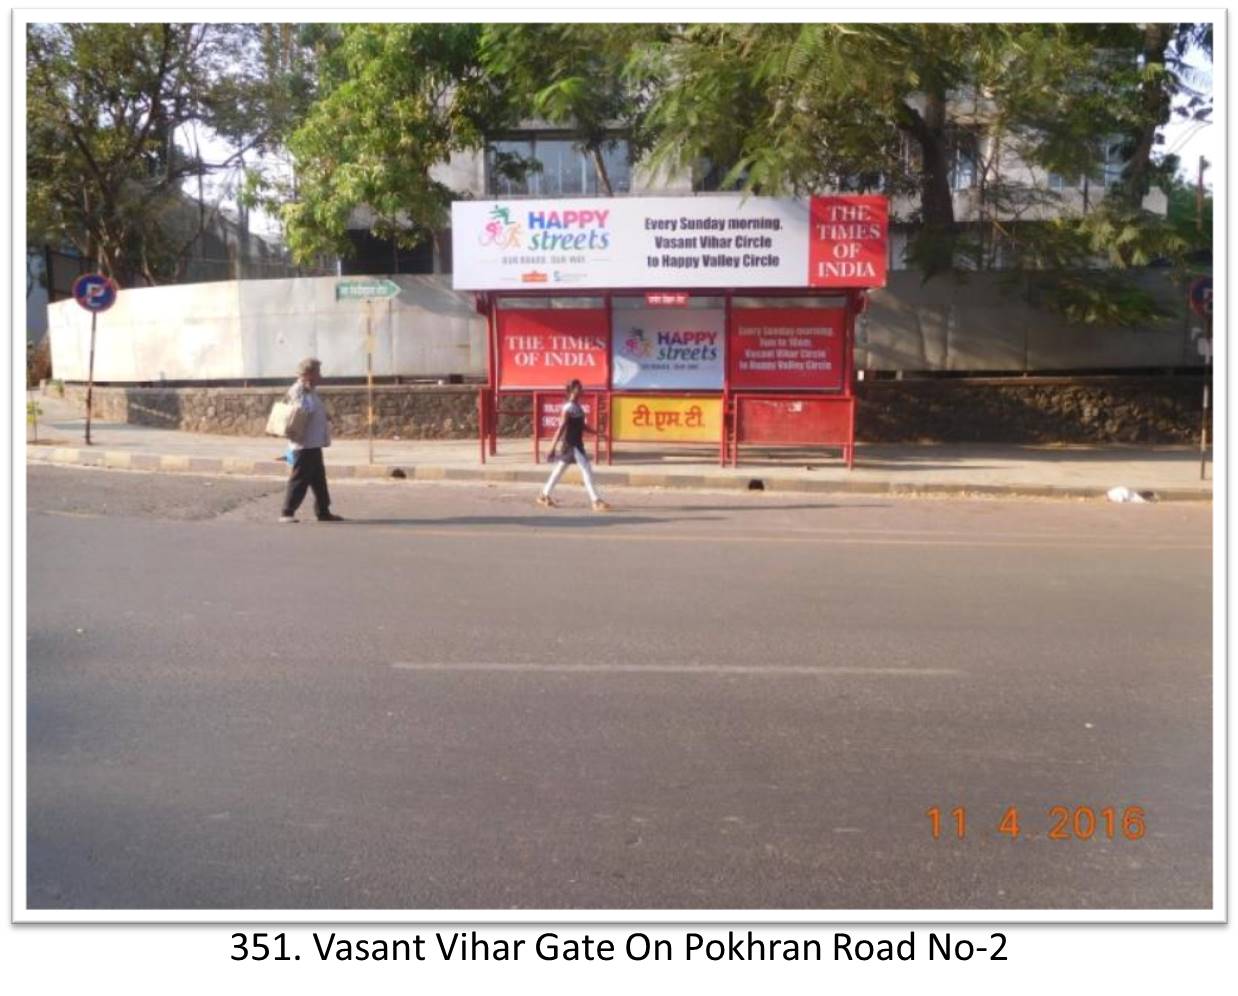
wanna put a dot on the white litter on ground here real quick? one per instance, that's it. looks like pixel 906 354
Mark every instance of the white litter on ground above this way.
pixel 1122 494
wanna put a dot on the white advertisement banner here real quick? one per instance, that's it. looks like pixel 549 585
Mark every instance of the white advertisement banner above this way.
pixel 613 242
pixel 675 349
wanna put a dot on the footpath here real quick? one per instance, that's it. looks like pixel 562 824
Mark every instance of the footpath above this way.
pixel 954 469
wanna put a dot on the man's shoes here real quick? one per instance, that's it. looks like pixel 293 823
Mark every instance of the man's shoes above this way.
pixel 330 517
pixel 600 506
pixel 286 519
pixel 547 501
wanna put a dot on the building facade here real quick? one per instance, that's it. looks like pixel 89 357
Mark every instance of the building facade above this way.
pixel 988 179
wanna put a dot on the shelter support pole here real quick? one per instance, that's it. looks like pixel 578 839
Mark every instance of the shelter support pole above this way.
pixel 494 423
pixel 537 427
pixel 481 422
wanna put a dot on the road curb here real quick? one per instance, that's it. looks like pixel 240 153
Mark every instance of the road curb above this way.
pixel 181 464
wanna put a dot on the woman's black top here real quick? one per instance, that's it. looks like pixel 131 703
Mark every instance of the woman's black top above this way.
pixel 573 431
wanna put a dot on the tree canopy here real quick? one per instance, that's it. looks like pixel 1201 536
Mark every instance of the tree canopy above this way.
pixel 574 77
pixel 120 117
pixel 398 100
pixel 387 118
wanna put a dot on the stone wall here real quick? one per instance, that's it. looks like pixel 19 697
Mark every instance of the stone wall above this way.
pixel 1151 410
pixel 404 412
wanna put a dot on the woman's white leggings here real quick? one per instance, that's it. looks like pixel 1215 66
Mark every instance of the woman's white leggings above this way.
pixel 586 473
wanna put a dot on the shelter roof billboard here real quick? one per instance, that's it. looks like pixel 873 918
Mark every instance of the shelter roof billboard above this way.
pixel 723 241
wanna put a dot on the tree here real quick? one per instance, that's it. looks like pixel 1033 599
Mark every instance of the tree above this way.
pixel 898 108
pixel 397 101
pixel 799 107
pixel 117 118
pixel 1190 214
pixel 1105 92
pixel 573 77
pixel 1163 75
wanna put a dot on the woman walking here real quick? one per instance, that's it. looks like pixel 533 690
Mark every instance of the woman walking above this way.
pixel 571 433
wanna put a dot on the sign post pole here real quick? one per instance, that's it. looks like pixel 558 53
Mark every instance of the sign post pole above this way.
pixel 95 293
pixel 367 289
pixel 1199 297
pixel 1203 421
pixel 90 375
pixel 369 374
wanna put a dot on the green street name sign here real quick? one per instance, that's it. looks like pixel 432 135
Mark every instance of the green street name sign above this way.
pixel 365 290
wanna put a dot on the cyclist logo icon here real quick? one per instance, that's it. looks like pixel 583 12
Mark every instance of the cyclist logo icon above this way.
pixel 500 230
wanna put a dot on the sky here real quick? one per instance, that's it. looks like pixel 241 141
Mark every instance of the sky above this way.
pixel 1191 139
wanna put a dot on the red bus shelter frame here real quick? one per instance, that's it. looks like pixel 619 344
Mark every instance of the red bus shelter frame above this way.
pixel 735 429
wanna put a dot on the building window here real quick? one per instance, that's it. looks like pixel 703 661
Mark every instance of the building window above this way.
pixel 900 242
pixel 508 168
pixel 617 160
pixel 1057 181
pixel 553 167
pixel 563 170
pixel 1112 162
pixel 373 256
pixel 707 177
pixel 964 159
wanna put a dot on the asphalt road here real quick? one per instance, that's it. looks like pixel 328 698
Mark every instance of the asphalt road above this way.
pixel 458 700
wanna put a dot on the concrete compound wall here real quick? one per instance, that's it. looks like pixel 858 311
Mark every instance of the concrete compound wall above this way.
pixel 259 329
pixel 1088 410
pixel 970 325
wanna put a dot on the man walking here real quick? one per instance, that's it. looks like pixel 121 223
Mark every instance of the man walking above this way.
pixel 308 471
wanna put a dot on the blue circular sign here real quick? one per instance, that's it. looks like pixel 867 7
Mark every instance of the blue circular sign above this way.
pixel 1201 297
pixel 95 292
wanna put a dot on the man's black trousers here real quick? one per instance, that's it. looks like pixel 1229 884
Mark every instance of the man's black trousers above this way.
pixel 308 472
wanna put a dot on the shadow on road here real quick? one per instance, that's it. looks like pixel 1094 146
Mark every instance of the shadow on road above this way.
pixel 538 522
pixel 811 507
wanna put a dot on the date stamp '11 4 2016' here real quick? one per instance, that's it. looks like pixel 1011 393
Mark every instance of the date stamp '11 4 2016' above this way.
pixel 1062 823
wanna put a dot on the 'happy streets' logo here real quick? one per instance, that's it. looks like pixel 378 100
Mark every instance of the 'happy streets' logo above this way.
pixel 638 345
pixel 553 230
pixel 700 345
pixel 500 231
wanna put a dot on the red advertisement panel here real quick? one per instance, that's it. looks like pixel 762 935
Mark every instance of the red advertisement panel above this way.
pixel 552 408
pixel 823 421
pixel 547 347
pixel 786 349
pixel 847 241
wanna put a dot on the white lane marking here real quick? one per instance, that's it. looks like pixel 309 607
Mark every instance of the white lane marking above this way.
pixel 752 669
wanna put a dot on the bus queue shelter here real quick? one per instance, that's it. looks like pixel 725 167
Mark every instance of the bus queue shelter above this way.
pixel 718 320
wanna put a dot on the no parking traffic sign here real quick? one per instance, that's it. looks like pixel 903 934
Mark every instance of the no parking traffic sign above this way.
pixel 1200 296
pixel 95 292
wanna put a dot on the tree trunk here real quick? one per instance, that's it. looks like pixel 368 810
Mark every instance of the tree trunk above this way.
pixel 936 198
pixel 934 249
pixel 599 167
pixel 1154 110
